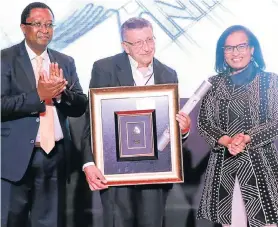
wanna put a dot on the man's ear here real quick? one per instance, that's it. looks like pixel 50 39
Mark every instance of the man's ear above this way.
pixel 125 47
pixel 23 28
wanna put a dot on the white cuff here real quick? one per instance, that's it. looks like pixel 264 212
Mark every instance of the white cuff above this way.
pixel 184 136
pixel 58 98
pixel 87 164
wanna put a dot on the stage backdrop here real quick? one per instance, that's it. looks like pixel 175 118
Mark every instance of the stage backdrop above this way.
pixel 186 34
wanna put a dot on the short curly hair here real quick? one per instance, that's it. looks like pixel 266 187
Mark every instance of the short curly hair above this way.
pixel 26 12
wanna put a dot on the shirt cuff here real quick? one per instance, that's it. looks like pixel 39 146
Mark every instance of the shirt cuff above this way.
pixel 184 136
pixel 87 164
pixel 58 98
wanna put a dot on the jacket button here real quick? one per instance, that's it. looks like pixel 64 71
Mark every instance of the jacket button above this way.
pixel 38 119
pixel 32 141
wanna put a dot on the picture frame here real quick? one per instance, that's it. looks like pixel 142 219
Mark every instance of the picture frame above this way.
pixel 107 104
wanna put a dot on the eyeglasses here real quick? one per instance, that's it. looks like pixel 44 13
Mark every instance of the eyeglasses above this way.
pixel 240 48
pixel 140 43
pixel 39 25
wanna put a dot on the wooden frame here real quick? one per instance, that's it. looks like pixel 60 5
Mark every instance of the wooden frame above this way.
pixel 104 102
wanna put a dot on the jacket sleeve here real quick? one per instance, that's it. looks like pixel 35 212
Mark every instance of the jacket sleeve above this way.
pixel 20 104
pixel 73 100
pixel 99 78
pixel 267 132
pixel 206 123
pixel 183 136
pixel 263 134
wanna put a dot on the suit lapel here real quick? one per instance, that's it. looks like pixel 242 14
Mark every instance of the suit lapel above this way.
pixel 51 56
pixel 26 65
pixel 124 72
pixel 158 73
pixel 53 59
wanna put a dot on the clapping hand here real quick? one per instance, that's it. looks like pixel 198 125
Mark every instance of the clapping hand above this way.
pixel 52 86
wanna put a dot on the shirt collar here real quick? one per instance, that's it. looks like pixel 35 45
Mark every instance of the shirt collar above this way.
pixel 135 64
pixel 32 54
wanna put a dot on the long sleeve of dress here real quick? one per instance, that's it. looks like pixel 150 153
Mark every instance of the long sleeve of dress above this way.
pixel 206 124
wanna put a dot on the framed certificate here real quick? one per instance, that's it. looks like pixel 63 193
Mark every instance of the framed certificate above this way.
pixel 125 125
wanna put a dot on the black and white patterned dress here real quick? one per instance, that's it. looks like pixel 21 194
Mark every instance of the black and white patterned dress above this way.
pixel 229 108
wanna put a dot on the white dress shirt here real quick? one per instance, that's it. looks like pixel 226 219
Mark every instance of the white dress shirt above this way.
pixel 142 76
pixel 58 134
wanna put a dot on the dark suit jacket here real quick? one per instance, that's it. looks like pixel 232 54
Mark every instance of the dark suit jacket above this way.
pixel 21 106
pixel 113 72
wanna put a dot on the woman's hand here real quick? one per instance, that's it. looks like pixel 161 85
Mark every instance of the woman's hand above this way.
pixel 238 143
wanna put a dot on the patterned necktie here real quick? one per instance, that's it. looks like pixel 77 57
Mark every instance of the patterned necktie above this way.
pixel 46 129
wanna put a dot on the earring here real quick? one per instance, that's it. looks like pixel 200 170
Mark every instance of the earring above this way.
pixel 253 61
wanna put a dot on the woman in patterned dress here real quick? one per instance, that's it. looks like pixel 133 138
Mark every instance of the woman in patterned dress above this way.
pixel 239 119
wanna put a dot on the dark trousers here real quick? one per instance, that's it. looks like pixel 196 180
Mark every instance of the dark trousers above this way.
pixel 134 206
pixel 38 200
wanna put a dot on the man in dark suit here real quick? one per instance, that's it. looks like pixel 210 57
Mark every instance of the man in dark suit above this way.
pixel 39 91
pixel 132 206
